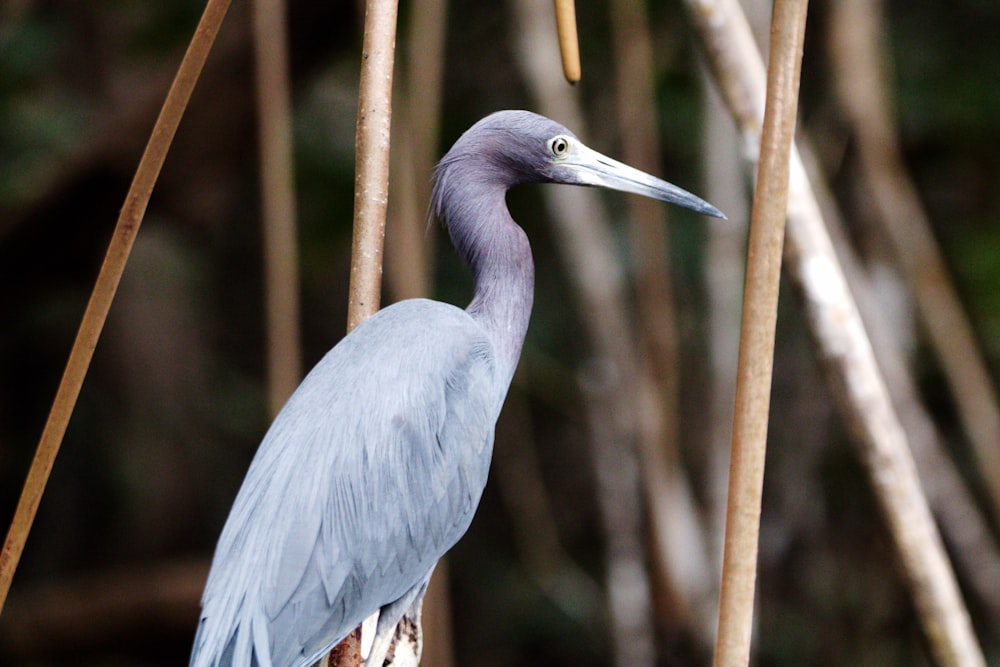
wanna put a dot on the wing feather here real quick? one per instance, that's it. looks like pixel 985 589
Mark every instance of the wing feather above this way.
pixel 371 472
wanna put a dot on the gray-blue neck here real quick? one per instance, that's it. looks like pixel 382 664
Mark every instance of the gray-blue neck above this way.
pixel 498 254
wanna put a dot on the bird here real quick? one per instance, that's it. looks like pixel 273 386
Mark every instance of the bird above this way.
pixel 375 466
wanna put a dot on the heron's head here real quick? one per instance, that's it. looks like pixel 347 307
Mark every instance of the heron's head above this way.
pixel 513 147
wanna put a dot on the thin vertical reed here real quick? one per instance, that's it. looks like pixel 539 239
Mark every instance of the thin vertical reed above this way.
pixel 371 178
pixel 756 357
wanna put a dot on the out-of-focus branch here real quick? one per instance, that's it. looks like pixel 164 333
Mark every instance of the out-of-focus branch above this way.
pixel 963 524
pixel 760 314
pixel 274 128
pixel 371 179
pixel 677 539
pixel 94 316
pixel 860 63
pixel 845 350
pixel 610 393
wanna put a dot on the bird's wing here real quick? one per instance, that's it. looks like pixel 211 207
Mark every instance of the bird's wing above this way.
pixel 371 472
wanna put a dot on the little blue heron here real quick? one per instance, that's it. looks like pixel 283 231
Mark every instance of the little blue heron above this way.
pixel 375 466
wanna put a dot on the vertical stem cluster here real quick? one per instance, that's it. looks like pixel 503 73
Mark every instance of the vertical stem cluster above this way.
pixel 855 35
pixel 760 304
pixel 120 247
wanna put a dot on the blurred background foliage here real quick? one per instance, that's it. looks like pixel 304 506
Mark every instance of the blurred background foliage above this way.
pixel 175 402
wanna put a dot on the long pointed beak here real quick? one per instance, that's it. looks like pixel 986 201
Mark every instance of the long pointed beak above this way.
pixel 584 166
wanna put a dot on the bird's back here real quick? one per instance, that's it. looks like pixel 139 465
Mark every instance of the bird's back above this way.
pixel 369 474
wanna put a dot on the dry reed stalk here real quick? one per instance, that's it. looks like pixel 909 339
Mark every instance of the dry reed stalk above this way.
pixel 756 356
pixel 371 179
pixel 94 316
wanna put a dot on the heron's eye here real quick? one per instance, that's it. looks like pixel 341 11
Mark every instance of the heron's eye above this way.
pixel 559 146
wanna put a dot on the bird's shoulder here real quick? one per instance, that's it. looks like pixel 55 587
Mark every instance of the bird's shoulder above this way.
pixel 405 342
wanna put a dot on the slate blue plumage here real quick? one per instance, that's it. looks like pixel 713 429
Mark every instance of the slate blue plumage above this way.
pixel 375 466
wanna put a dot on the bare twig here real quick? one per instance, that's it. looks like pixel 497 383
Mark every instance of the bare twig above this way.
pixel 107 283
pixel 284 357
pixel 845 350
pixel 760 312
pixel 882 444
pixel 371 180
pixel 860 67
pixel 569 44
